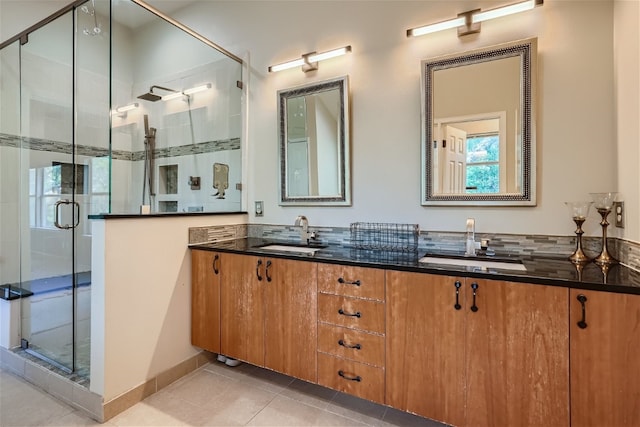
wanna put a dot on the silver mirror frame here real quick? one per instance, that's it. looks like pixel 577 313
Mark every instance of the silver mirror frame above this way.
pixel 344 196
pixel 526 50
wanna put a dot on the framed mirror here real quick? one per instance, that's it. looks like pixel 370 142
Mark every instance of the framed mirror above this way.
pixel 313 124
pixel 478 128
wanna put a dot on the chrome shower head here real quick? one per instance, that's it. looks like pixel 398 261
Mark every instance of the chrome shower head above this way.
pixel 150 96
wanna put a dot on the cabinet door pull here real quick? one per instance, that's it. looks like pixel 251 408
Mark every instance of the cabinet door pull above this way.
pixel 349 282
pixel 258 270
pixel 582 324
pixel 344 313
pixel 344 344
pixel 216 261
pixel 357 378
pixel 267 271
pixel 457 305
pixel 474 307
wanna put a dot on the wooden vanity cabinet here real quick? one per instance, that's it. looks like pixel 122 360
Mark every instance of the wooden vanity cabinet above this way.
pixel 351 330
pixel 205 300
pixel 605 359
pixel 499 358
pixel 425 346
pixel 242 308
pixel 268 313
pixel 291 319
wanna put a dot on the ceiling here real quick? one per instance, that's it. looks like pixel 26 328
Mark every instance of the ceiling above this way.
pixel 18 15
pixel 135 16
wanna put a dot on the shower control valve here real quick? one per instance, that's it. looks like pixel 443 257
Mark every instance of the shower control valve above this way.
pixel 194 182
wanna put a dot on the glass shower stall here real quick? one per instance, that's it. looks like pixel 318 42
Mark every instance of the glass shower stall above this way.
pixel 105 107
pixel 55 170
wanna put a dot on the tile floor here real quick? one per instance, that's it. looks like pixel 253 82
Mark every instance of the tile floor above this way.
pixel 214 395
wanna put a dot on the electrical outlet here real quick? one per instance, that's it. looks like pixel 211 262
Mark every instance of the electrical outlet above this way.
pixel 618 210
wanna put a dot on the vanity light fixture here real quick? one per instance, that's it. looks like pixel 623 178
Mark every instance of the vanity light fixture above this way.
pixel 309 61
pixel 189 91
pixel 469 22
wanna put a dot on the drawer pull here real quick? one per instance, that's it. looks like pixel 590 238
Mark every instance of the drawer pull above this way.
pixel 582 324
pixel 259 263
pixel 357 378
pixel 344 313
pixel 457 305
pixel 474 307
pixel 349 282
pixel 267 271
pixel 344 344
pixel 216 262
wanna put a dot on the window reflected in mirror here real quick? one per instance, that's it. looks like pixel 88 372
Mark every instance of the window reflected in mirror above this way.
pixel 479 127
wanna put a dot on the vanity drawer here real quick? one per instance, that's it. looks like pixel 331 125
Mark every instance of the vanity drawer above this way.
pixel 358 282
pixel 351 344
pixel 351 377
pixel 355 313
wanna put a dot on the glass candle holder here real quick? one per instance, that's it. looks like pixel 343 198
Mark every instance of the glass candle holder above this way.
pixel 603 203
pixel 579 212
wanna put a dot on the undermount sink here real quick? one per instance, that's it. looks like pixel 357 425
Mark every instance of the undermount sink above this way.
pixel 479 263
pixel 300 249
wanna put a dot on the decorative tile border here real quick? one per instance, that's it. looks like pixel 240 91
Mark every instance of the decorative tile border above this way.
pixel 39 144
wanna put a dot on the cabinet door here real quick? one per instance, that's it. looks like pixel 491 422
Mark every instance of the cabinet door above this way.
pixel 605 359
pixel 517 367
pixel 425 346
pixel 205 300
pixel 241 304
pixel 290 317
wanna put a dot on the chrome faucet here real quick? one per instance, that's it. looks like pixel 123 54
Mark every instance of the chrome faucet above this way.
pixel 305 235
pixel 471 237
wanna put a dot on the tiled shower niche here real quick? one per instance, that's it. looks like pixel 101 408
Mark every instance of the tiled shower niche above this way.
pixel 168 179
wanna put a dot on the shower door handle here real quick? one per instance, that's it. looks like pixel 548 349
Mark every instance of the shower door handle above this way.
pixel 56 214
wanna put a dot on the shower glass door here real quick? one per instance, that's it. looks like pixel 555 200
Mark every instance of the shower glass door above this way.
pixel 49 182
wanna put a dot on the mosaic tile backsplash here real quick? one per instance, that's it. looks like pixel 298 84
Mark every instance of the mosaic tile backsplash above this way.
pixel 540 245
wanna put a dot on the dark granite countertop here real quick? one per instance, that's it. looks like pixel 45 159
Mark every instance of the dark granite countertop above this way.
pixel 557 271
pixel 158 215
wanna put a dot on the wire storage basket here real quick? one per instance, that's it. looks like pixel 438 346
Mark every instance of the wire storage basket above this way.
pixel 386 236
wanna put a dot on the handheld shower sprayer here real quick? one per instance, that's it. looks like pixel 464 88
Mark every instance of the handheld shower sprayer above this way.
pixel 149 147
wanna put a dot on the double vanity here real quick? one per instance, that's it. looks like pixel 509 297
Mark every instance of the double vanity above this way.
pixel 465 341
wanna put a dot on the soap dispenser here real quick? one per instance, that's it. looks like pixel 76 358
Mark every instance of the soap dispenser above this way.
pixel 471 240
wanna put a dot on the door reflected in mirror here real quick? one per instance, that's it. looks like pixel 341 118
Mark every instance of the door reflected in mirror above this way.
pixel 479 127
pixel 314 144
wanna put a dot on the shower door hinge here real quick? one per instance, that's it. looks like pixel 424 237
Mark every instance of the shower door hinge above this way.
pixel 239 84
pixel 239 186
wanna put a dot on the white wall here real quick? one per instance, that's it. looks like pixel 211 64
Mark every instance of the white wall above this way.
pixel 576 142
pixel 627 78
pixel 141 308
